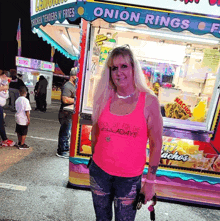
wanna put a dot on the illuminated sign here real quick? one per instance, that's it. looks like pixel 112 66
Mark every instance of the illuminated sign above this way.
pixel 150 13
pixel 43 5
pixel 47 66
pixel 205 7
pixel 23 62
pixel 34 64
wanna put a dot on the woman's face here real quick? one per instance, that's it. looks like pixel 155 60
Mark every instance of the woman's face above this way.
pixel 122 72
pixel 3 76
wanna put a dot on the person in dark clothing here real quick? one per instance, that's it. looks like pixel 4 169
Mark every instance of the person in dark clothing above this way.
pixel 36 97
pixel 14 86
pixel 42 93
pixel 68 96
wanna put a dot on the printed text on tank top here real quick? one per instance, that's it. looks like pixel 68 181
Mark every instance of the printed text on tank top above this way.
pixel 121 145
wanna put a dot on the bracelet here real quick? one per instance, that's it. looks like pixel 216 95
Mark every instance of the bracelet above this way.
pixel 150 181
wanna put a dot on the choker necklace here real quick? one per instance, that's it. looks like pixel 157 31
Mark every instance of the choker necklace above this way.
pixel 125 97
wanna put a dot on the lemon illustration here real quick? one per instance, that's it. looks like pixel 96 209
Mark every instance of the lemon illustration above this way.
pixel 199 112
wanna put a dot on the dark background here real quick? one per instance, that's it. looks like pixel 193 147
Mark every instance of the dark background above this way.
pixel 31 45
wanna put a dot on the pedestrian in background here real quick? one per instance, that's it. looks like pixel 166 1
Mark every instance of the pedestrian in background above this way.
pixel 22 117
pixel 14 86
pixel 42 93
pixel 3 96
pixel 36 96
pixel 68 96
pixel 125 115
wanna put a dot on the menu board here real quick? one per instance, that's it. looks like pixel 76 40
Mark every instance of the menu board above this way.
pixel 211 59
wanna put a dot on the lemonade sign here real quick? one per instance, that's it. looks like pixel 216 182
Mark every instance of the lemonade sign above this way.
pixel 100 38
pixel 103 54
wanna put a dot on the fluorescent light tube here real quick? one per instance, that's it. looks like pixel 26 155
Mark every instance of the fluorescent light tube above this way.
pixel 75 50
pixel 66 39
pixel 170 35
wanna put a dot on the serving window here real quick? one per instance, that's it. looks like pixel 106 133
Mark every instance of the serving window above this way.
pixel 182 71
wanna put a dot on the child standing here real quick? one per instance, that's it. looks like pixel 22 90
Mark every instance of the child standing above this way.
pixel 23 107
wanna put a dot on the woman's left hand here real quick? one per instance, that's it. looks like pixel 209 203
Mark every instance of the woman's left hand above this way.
pixel 148 189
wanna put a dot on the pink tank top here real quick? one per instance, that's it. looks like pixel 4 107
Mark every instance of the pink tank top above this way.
pixel 121 145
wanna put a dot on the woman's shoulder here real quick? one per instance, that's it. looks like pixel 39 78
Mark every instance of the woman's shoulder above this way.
pixel 150 97
pixel 151 101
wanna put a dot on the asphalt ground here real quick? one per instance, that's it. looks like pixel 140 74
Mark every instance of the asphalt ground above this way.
pixel 33 183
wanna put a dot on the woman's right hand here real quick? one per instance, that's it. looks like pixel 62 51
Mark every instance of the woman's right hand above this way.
pixel 148 189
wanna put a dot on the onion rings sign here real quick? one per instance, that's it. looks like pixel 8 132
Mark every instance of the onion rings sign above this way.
pixel 51 11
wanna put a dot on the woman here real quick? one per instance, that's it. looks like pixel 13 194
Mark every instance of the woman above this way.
pixel 3 96
pixel 125 115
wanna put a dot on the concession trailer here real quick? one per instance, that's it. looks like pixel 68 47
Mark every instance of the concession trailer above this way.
pixel 178 46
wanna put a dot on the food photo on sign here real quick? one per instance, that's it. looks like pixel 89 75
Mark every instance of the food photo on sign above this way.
pixel 188 154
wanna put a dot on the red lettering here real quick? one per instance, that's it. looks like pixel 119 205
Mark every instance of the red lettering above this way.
pixel 177 99
pixel 185 108
pixel 23 62
pixel 213 2
pixel 187 111
pixel 187 1
pixel 47 66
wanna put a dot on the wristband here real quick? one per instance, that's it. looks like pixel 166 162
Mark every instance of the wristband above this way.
pixel 150 181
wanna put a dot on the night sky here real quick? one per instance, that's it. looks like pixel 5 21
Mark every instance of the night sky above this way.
pixel 32 46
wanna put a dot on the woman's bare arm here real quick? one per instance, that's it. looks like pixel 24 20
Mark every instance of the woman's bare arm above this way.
pixel 94 135
pixel 155 132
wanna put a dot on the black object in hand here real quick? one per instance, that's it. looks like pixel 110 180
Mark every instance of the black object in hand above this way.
pixel 139 201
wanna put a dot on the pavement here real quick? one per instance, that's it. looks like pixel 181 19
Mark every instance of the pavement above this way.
pixel 33 183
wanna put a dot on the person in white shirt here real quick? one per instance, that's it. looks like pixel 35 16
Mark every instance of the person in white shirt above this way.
pixel 22 117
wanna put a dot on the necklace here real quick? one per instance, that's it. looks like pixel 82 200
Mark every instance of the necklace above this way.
pixel 125 97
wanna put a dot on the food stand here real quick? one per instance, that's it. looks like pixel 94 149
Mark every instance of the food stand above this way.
pixel 31 70
pixel 179 54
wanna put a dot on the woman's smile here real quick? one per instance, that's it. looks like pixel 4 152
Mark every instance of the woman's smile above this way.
pixel 122 72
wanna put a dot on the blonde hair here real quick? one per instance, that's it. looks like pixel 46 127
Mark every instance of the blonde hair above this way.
pixel 105 87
